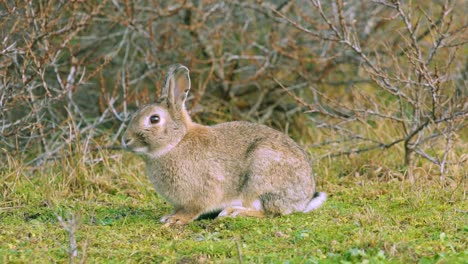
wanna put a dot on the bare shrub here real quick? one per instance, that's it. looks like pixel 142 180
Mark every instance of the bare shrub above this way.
pixel 369 75
pixel 399 65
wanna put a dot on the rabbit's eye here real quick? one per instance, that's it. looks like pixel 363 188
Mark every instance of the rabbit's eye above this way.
pixel 154 119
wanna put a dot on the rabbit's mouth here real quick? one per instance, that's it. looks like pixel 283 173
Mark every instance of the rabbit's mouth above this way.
pixel 128 145
pixel 137 144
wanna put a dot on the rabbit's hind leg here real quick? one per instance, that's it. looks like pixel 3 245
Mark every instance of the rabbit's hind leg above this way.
pixel 280 204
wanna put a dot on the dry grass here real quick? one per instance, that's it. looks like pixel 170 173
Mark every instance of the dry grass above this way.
pixel 373 214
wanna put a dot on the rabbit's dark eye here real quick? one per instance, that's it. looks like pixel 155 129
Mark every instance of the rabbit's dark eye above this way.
pixel 154 119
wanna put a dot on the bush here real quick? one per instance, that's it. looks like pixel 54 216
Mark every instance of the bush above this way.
pixel 340 77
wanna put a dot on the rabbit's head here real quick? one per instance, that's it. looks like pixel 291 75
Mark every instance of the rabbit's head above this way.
pixel 157 128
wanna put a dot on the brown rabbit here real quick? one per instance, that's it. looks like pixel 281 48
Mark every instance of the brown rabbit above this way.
pixel 238 168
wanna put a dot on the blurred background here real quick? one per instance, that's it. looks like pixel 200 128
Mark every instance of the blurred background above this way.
pixel 381 84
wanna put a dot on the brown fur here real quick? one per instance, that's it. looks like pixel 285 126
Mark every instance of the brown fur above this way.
pixel 242 168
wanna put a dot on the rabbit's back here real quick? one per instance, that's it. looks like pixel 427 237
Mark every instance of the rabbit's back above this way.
pixel 244 139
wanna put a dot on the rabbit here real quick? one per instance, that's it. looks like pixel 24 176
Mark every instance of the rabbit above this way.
pixel 235 168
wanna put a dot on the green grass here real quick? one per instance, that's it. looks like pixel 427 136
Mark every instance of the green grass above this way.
pixel 366 219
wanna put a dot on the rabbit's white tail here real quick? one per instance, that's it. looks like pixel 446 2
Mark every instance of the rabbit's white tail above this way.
pixel 316 201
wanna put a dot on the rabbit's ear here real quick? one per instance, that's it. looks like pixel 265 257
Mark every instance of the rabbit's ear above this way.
pixel 176 85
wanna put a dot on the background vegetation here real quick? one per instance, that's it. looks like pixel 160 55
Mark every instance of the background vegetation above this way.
pixel 375 90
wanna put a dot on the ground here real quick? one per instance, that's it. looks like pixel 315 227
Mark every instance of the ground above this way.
pixel 368 218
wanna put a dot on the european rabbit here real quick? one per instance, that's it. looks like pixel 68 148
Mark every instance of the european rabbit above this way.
pixel 239 168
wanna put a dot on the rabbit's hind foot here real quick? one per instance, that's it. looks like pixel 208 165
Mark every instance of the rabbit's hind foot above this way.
pixel 234 211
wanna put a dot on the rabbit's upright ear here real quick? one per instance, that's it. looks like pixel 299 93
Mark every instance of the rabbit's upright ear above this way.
pixel 176 86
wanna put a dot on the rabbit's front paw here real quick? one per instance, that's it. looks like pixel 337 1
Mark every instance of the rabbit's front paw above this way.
pixel 176 219
pixel 164 218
